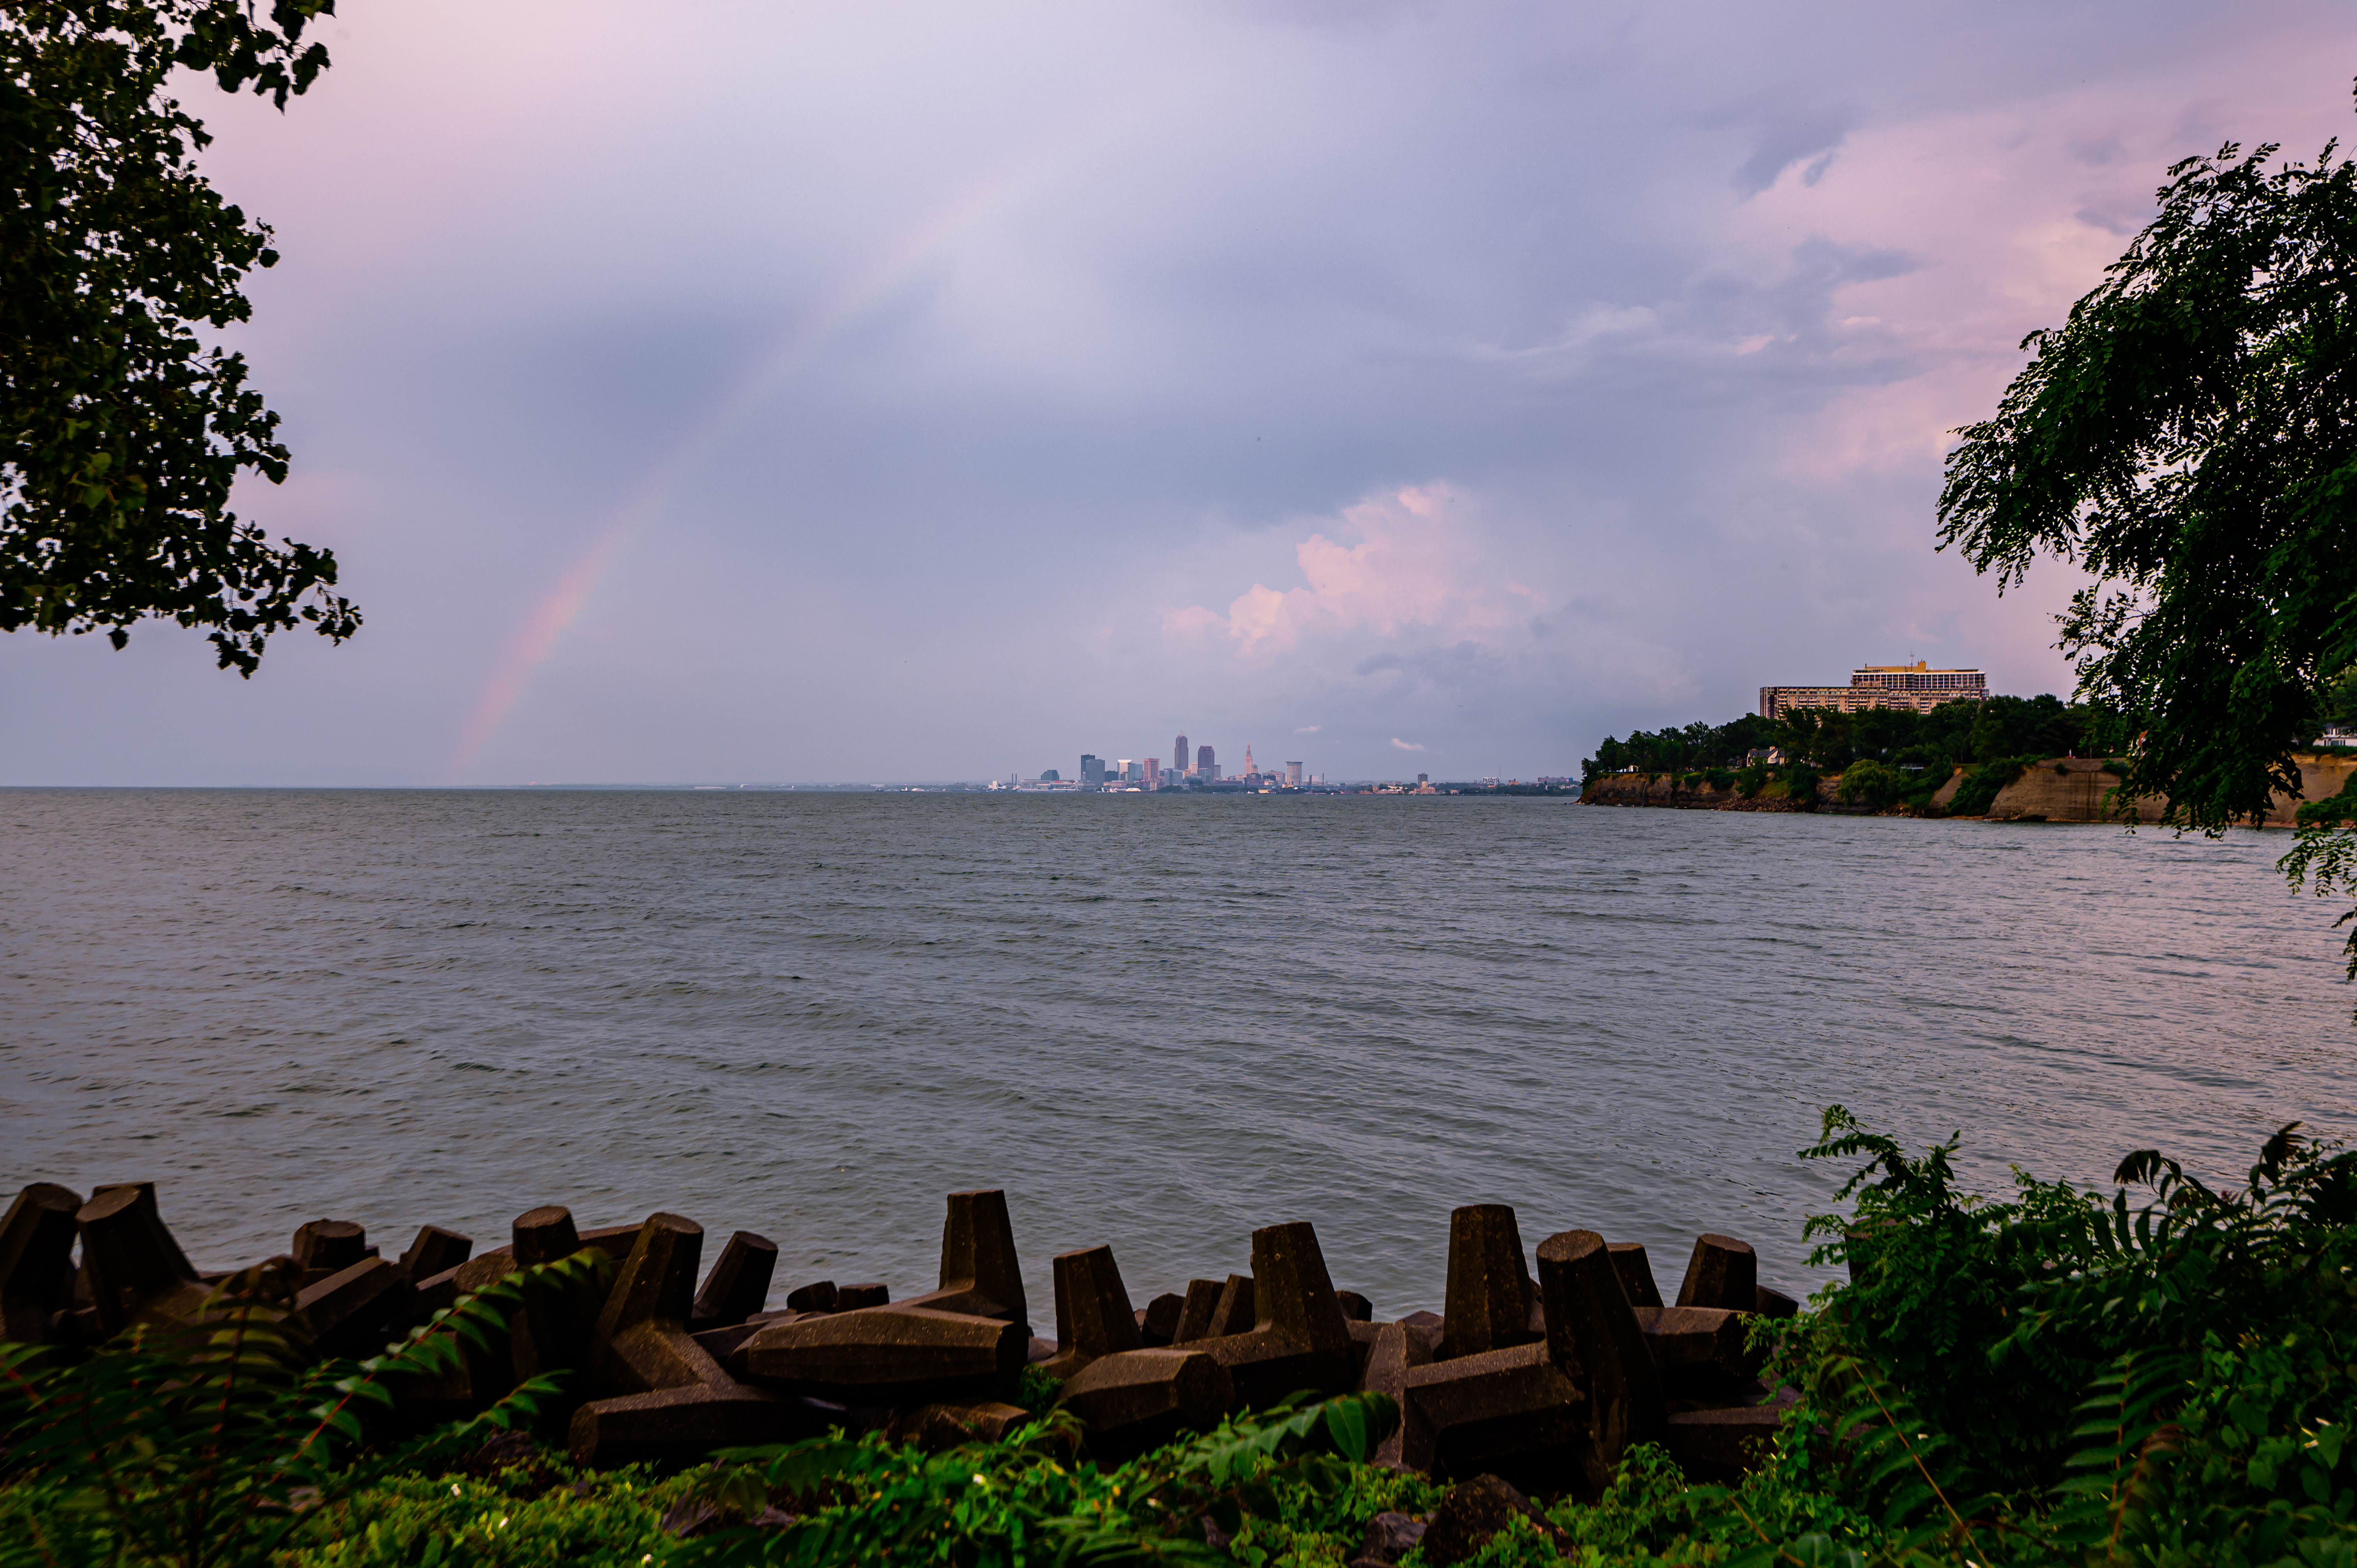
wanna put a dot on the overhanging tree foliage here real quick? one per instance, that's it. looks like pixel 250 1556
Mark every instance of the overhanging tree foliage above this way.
pixel 2189 437
pixel 120 431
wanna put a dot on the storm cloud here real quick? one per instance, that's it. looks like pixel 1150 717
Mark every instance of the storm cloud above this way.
pixel 781 392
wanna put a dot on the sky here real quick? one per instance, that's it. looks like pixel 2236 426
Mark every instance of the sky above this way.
pixel 728 393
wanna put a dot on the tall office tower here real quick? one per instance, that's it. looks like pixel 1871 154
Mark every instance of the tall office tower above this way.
pixel 1207 765
pixel 1293 776
pixel 1154 773
pixel 1091 768
pixel 1249 770
pixel 1179 758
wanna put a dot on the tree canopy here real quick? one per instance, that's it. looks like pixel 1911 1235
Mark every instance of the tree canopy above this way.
pixel 2189 437
pixel 122 432
pixel 1955 732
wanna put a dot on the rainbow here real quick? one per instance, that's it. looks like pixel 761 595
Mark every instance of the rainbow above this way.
pixel 887 270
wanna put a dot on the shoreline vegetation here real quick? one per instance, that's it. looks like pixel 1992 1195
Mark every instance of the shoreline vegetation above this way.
pixel 2163 1375
pixel 2001 758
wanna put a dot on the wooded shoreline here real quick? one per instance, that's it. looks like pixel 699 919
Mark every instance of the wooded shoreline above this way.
pixel 2053 789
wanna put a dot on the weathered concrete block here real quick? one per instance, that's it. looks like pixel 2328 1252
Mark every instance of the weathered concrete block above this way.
pixel 1593 1333
pixel 1636 1275
pixel 980 1273
pixel 1093 1312
pixel 354 1311
pixel 481 1374
pixel 1723 1272
pixel 537 1236
pixel 889 1356
pixel 1511 1412
pixel 137 1272
pixel 937 1428
pixel 1393 1352
pixel 1355 1307
pixel 1700 1350
pixel 1428 1327
pixel 1720 1446
pixel 555 1329
pixel 817 1298
pixel 544 1235
pixel 1201 1300
pixel 739 1285
pixel 1389 1538
pixel 675 1425
pixel 1234 1312
pixel 722 1343
pixel 1299 1340
pixel 435 1251
pixel 1490 1293
pixel 641 1342
pixel 851 1298
pixel 1136 1400
pixel 1157 1321
pixel 326 1247
pixel 1773 1303
pixel 36 1242
pixel 1473 1512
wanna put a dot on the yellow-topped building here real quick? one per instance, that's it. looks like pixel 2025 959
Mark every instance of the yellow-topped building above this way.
pixel 1916 686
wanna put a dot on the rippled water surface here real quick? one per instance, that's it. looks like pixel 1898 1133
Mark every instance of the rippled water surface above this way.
pixel 1157 1022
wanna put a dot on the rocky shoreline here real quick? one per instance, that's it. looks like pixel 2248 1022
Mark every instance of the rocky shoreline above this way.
pixel 2054 789
pixel 1542 1380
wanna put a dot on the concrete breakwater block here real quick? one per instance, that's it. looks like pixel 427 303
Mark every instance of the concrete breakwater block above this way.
pixel 1538 1381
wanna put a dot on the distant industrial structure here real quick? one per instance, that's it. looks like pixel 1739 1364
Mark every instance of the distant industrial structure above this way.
pixel 1915 686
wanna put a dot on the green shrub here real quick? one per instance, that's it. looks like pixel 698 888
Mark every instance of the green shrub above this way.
pixel 1291 1482
pixel 2055 1375
pixel 2061 771
pixel 1979 789
pixel 1750 780
pixel 1869 783
pixel 1719 778
pixel 213 1440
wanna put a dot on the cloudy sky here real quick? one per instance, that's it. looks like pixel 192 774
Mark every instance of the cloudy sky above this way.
pixel 768 391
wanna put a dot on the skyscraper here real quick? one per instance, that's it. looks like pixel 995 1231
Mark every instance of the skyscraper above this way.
pixel 1249 770
pixel 1154 773
pixel 1207 765
pixel 1178 756
pixel 1293 776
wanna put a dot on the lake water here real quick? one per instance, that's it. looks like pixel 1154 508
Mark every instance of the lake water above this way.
pixel 1156 1022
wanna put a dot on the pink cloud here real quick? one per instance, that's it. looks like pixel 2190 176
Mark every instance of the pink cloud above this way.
pixel 1417 562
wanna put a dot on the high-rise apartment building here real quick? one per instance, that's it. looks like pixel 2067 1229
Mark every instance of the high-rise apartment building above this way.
pixel 1178 764
pixel 1916 686
pixel 1207 765
pixel 1293 776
